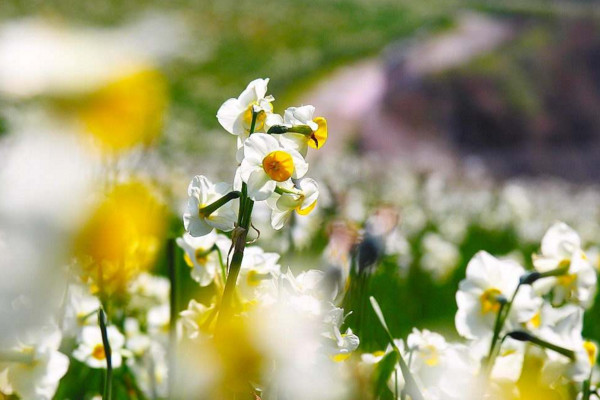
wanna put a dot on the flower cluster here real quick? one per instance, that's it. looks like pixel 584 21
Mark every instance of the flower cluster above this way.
pixel 523 331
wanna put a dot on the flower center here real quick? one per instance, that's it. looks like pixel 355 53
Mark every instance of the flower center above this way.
pixel 98 352
pixel 592 351
pixel 201 256
pixel 567 280
pixel 278 165
pixel 489 300
pixel 261 117
pixel 536 320
pixel 431 355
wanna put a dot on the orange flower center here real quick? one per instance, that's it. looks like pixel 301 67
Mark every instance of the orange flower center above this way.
pixel 278 165
pixel 98 352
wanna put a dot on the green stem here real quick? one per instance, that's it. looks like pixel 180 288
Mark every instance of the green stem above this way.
pixel 107 353
pixel 503 313
pixel 239 244
pixel 411 385
pixel 221 263
pixel 214 206
pixel 528 337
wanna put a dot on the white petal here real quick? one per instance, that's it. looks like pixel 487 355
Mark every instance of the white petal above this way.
pixel 228 113
pixel 260 186
pixel 257 146
pixel 300 165
pixel 279 218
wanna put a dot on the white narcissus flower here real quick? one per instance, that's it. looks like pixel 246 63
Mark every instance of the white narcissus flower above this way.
pixel 148 290
pixel 39 378
pixel 201 257
pixel 303 128
pixel 561 248
pixel 267 162
pixel 235 115
pixel 508 364
pixel 490 281
pixel 91 348
pixel 300 196
pixel 442 370
pixel 137 342
pixel 258 267
pixel 203 192
pixel 561 326
pixel 578 370
pixel 339 345
pixel 197 318
pixel 80 310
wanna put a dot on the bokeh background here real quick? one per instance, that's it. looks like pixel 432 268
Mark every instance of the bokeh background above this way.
pixel 477 122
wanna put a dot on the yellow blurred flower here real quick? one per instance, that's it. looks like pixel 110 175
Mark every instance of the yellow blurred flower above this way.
pixel 122 237
pixel 126 112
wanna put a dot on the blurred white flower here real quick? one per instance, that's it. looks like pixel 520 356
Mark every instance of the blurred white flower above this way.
pixel 38 221
pixel 440 257
pixel 147 291
pixel 561 248
pixel 136 341
pixel 81 309
pixel 89 57
pixel 197 318
pixel 508 364
pixel 158 319
pixel 38 377
pixel 91 349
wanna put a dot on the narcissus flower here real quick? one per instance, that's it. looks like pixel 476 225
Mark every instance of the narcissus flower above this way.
pixel 202 193
pixel 258 268
pixel 267 162
pixel 80 309
pixel 301 128
pixel 201 255
pixel 38 377
pixel 561 249
pixel 300 196
pixel 197 318
pixel 235 115
pixel 91 348
pixel 491 282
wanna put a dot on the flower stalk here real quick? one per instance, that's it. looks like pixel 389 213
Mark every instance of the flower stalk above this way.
pixel 107 394
pixel 239 244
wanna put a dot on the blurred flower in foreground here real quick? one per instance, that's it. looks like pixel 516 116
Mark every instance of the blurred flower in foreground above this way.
pixel 104 82
pixel 45 181
pixel 121 238
pixel 37 375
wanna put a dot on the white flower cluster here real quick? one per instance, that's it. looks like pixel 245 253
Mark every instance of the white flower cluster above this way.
pixel 271 151
pixel 510 318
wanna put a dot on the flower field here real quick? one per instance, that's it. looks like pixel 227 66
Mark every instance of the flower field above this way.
pixel 175 223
